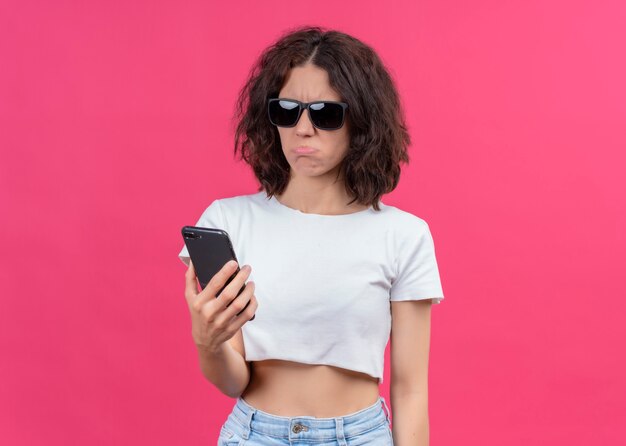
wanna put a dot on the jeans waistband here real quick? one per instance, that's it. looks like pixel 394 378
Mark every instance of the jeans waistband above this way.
pixel 309 427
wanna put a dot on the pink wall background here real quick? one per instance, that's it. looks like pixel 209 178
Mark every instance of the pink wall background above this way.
pixel 115 132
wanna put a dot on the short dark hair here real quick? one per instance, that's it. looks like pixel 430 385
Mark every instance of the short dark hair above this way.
pixel 378 133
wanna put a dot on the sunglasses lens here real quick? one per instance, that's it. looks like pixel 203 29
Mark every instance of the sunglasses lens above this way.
pixel 283 113
pixel 324 115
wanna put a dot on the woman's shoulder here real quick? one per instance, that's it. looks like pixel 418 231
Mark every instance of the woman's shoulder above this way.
pixel 402 217
pixel 240 202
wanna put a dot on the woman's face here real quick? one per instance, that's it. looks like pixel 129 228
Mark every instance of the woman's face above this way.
pixel 306 84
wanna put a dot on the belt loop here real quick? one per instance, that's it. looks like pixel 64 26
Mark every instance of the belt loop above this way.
pixel 388 414
pixel 340 434
pixel 250 413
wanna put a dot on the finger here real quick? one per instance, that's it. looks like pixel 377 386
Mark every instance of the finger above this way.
pixel 219 279
pixel 244 298
pixel 233 289
pixel 207 294
pixel 250 312
pixel 191 285
pixel 229 315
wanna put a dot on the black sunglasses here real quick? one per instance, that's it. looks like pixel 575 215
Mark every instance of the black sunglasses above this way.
pixel 325 115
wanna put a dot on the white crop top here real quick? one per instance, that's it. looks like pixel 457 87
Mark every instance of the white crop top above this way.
pixel 324 282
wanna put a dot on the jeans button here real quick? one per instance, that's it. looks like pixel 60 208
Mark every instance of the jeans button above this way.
pixel 297 428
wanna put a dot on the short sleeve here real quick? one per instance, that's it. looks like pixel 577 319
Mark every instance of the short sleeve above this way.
pixel 417 273
pixel 211 218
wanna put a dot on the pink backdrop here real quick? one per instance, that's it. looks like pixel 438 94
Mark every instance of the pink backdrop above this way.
pixel 115 132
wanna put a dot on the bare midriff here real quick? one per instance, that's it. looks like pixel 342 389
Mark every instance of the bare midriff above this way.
pixel 291 389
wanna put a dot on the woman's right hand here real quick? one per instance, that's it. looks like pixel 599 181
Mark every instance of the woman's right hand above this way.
pixel 214 321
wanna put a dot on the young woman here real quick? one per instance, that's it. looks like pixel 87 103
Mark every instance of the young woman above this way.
pixel 335 270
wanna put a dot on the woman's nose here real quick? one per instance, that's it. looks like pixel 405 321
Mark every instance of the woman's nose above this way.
pixel 304 125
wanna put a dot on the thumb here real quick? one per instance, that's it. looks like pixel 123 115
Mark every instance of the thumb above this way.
pixel 190 278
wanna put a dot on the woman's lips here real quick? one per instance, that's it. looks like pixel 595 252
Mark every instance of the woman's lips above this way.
pixel 304 150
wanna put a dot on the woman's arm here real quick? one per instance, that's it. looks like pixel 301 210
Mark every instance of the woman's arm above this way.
pixel 410 345
pixel 410 419
pixel 222 361
pixel 226 368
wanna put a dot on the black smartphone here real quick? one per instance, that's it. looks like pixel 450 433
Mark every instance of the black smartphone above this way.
pixel 210 249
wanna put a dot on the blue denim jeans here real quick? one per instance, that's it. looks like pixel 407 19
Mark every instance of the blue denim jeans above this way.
pixel 249 426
